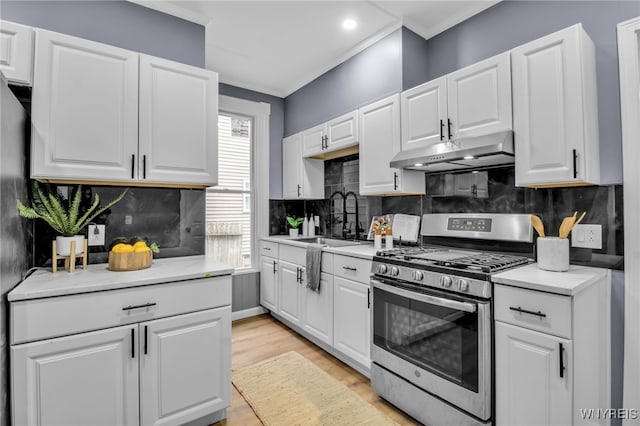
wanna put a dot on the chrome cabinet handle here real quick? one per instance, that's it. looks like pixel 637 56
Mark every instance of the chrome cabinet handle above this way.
pixel 349 268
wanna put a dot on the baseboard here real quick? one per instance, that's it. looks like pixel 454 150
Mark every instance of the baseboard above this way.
pixel 246 313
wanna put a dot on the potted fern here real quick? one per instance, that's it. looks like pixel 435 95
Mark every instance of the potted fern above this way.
pixel 63 215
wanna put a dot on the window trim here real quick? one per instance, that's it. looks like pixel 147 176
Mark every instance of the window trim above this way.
pixel 259 112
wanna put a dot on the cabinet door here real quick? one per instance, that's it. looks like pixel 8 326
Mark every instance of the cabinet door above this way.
pixel 313 140
pixel 553 87
pixel 379 142
pixel 479 97
pixel 178 123
pixel 185 367
pixel 529 389
pixel 83 379
pixel 16 52
pixel 342 131
pixel 318 310
pixel 289 292
pixel 268 283
pixel 84 110
pixel 351 322
pixel 424 114
pixel 291 164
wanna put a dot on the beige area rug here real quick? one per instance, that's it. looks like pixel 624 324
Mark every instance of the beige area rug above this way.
pixel 290 390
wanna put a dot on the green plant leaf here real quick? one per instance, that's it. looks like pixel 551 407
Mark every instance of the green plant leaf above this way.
pixel 88 216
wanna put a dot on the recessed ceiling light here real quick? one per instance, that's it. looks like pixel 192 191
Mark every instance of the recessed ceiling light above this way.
pixel 349 24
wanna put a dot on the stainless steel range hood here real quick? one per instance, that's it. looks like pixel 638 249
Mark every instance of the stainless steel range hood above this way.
pixel 459 155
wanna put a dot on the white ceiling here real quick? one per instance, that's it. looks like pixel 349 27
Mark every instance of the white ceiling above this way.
pixel 276 47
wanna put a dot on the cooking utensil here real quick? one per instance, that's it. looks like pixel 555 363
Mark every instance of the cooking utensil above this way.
pixel 537 224
pixel 580 219
pixel 565 227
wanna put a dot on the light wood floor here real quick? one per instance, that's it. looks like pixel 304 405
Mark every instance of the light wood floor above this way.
pixel 258 338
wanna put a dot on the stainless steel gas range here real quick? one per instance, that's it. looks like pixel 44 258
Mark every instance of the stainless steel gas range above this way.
pixel 432 319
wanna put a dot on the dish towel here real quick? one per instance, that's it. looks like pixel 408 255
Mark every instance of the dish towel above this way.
pixel 314 262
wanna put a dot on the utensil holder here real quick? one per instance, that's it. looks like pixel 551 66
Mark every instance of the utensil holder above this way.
pixel 553 253
pixel 377 241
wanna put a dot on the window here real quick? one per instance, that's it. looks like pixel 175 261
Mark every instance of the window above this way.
pixel 228 206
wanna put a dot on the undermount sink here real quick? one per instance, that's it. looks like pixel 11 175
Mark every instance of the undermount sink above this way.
pixel 330 242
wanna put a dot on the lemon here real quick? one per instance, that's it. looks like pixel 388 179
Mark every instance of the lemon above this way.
pixel 122 248
pixel 140 248
pixel 140 244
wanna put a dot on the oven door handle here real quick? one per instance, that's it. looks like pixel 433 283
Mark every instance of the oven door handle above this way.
pixel 439 301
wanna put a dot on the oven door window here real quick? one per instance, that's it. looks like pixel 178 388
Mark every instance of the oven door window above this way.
pixel 439 339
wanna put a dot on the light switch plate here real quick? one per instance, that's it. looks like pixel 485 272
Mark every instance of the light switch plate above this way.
pixel 587 236
pixel 95 235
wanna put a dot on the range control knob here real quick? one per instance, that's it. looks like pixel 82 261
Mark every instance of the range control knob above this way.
pixel 462 284
pixel 382 268
pixel 394 271
pixel 418 275
pixel 446 281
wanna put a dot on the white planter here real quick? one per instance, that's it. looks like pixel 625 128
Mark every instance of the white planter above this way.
pixel 63 245
pixel 293 232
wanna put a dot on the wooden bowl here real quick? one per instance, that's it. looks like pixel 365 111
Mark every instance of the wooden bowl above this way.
pixel 130 261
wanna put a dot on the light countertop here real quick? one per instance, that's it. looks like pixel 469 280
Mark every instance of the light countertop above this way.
pixel 364 250
pixel 44 283
pixel 568 283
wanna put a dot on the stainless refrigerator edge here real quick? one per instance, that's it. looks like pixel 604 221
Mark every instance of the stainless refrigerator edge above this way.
pixel 14 251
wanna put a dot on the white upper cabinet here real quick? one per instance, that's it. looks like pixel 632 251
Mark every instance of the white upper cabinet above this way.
pixel 101 113
pixel 473 101
pixel 16 52
pixel 325 140
pixel 379 141
pixel 555 110
pixel 480 98
pixel 301 177
pixel 84 110
pixel 424 114
pixel 178 122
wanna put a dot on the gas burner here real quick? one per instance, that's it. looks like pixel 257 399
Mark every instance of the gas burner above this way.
pixel 486 262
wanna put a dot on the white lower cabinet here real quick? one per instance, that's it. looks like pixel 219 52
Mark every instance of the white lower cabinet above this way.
pixel 530 387
pixel 336 317
pixel 552 346
pixel 155 370
pixel 351 321
pixel 269 283
pixel 318 310
pixel 290 292
pixel 184 366
pixel 84 379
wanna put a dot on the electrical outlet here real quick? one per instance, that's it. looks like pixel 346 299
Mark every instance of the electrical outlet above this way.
pixel 128 219
pixel 95 235
pixel 587 236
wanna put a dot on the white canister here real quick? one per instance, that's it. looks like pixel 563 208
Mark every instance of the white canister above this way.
pixel 377 241
pixel 553 253
pixel 388 242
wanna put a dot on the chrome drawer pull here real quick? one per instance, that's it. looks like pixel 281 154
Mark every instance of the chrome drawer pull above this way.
pixel 524 311
pixel 146 305
pixel 349 268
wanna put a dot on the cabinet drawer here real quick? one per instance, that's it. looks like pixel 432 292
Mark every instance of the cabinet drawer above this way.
pixel 56 316
pixel 555 310
pixel 352 268
pixel 292 254
pixel 268 248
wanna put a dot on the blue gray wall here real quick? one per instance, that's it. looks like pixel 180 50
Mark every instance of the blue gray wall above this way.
pixel 368 76
pixel 118 23
pixel 276 130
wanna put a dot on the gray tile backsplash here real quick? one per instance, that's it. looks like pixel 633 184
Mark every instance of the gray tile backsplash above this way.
pixel 603 205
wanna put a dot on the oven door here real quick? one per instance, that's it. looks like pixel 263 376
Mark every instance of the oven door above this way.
pixel 438 341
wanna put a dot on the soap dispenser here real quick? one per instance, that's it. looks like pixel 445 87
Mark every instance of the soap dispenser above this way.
pixel 305 226
pixel 312 227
